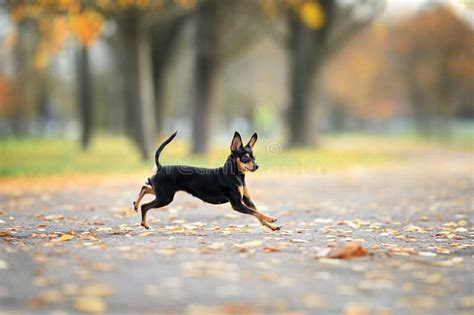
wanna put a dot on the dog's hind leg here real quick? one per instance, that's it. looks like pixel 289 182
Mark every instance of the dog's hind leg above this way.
pixel 157 203
pixel 145 190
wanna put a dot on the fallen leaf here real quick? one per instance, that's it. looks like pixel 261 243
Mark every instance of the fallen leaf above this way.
pixel 167 251
pixel 348 250
pixel 216 246
pixel 66 237
pixel 198 309
pixel 54 217
pixel 97 289
pixel 448 263
pixel 313 301
pixel 90 304
pixel 51 297
pixel 102 267
pixel 271 249
pixel 427 254
pixel 4 234
pixel 467 301
pixel 3 264
pixel 249 244
pixel 296 240
pixel 355 310
pixel 145 234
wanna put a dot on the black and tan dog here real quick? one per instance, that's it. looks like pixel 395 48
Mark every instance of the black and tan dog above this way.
pixel 216 185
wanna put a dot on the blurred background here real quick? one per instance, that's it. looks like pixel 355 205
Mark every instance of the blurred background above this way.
pixel 94 86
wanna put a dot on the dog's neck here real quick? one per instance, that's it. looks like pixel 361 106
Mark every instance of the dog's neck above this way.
pixel 230 167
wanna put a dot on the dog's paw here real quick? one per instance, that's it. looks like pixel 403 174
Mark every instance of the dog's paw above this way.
pixel 272 226
pixel 276 228
pixel 135 206
pixel 273 220
pixel 146 226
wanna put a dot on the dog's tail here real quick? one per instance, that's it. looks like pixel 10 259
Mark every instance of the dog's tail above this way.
pixel 161 147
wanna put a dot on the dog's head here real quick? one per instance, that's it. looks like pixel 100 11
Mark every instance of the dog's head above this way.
pixel 244 157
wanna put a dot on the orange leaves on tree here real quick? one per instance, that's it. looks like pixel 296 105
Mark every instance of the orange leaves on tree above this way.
pixel 41 56
pixel 59 33
pixel 124 4
pixel 186 4
pixel 86 26
pixel 312 14
pixel 55 21
pixel 10 41
pixel 269 7
pixel 54 33
pixel 309 12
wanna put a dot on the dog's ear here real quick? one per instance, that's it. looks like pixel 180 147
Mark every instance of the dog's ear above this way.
pixel 252 140
pixel 236 142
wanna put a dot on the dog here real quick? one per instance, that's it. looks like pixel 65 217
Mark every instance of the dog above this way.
pixel 211 185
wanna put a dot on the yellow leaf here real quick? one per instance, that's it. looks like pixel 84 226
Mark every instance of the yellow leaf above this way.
pixel 249 244
pixel 3 264
pixel 167 251
pixel 52 297
pixel 66 237
pixel 97 289
pixel 312 15
pixel 90 304
pixel 145 234
pixel 54 217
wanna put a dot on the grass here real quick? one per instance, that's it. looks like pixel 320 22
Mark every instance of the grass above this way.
pixel 110 154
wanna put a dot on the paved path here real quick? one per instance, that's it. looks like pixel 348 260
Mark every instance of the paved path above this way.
pixel 415 220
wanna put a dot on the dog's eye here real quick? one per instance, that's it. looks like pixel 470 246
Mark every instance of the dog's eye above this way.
pixel 245 159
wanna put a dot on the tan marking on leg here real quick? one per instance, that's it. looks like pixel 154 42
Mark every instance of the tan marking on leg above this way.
pixel 264 220
pixel 143 192
pixel 144 224
pixel 246 192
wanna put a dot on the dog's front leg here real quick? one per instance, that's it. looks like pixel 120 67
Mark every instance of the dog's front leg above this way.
pixel 264 220
pixel 249 203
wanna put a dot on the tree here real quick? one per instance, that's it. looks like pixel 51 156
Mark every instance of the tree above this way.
pixel 164 43
pixel 223 30
pixel 136 20
pixel 83 19
pixel 317 29
pixel 86 25
pixel 85 96
pixel 54 22
pixel 363 83
pixel 204 73
pixel 434 51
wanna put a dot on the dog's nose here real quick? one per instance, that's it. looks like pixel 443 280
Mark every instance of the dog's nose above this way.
pixel 256 167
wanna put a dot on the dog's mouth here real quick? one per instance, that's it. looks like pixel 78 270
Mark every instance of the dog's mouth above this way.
pixel 251 169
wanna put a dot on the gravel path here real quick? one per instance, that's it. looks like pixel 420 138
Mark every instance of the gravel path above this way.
pixel 81 249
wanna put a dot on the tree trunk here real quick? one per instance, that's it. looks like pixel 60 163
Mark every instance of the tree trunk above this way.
pixel 138 84
pixel 301 68
pixel 85 96
pixel 204 75
pixel 164 42
pixel 22 83
pixel 307 55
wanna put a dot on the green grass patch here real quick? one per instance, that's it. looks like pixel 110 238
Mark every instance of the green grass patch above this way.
pixel 111 154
